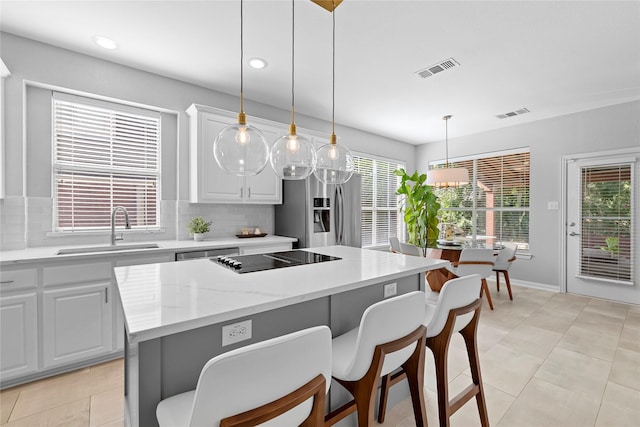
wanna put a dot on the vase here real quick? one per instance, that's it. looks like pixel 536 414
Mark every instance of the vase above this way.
pixel 449 232
pixel 198 237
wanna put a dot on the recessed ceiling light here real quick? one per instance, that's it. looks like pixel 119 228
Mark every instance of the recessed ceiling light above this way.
pixel 257 63
pixel 105 42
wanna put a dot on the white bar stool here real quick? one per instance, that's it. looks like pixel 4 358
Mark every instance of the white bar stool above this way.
pixel 391 335
pixel 457 310
pixel 278 382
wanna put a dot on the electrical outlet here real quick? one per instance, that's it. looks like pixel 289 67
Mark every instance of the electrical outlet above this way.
pixel 236 332
pixel 390 289
pixel 552 206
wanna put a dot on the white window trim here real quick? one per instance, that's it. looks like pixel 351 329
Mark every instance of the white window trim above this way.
pixel 400 214
pixel 110 104
pixel 521 253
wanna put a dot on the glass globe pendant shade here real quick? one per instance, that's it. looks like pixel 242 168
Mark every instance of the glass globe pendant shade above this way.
pixel 241 149
pixel 292 156
pixel 335 163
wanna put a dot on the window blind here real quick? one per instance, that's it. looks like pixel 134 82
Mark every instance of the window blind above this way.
pixel 380 216
pixel 495 205
pixel 606 248
pixel 103 158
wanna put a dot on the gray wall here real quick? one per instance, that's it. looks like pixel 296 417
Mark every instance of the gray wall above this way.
pixel 35 64
pixel 590 131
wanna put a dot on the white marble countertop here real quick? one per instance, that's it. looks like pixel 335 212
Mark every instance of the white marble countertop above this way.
pixel 48 253
pixel 167 298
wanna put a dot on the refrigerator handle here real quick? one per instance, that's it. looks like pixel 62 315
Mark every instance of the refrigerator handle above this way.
pixel 339 210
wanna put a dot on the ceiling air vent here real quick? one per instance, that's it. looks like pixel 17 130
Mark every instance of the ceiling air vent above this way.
pixel 437 68
pixel 513 113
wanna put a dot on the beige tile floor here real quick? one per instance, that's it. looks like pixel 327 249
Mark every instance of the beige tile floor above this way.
pixel 547 360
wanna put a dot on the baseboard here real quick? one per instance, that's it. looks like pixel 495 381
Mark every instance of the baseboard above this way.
pixel 534 285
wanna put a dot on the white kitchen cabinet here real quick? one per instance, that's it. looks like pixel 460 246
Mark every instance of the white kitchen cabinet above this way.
pixel 19 331
pixel 208 182
pixel 77 322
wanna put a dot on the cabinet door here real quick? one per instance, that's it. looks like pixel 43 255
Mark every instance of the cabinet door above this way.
pixel 265 187
pixel 18 335
pixel 77 323
pixel 213 184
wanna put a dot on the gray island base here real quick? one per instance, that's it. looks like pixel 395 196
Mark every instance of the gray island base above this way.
pixel 174 314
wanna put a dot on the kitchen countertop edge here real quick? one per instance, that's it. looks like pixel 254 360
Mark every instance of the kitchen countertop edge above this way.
pixel 48 253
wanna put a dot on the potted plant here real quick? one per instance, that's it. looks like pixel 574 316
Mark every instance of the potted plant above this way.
pixel 420 208
pixel 198 226
pixel 612 246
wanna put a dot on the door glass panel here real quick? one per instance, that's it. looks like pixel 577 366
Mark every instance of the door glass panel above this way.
pixel 606 219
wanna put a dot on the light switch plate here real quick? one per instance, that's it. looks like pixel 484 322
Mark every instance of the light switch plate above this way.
pixel 552 206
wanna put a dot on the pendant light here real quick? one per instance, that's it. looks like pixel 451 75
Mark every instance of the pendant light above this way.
pixel 293 156
pixel 447 177
pixel 241 149
pixel 335 162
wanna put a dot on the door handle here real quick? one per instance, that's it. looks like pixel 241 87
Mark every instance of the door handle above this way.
pixel 573 233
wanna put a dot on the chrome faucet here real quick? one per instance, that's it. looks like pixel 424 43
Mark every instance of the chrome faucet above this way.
pixel 127 226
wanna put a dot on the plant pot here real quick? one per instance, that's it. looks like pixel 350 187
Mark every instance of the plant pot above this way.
pixel 198 237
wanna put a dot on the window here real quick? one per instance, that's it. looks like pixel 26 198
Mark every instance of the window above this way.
pixel 105 155
pixel 606 231
pixel 494 207
pixel 381 216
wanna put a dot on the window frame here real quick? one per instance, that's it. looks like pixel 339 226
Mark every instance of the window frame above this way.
pixel 400 232
pixel 112 105
pixel 523 247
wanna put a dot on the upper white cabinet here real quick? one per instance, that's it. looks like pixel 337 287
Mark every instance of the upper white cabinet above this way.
pixel 208 182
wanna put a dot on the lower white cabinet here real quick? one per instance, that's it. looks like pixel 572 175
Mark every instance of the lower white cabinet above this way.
pixel 77 323
pixel 19 331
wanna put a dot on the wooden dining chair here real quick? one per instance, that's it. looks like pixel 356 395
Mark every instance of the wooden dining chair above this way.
pixel 456 310
pixel 395 244
pixel 284 379
pixel 390 336
pixel 502 263
pixel 476 261
pixel 409 249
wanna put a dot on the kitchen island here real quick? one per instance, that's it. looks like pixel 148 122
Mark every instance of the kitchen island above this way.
pixel 174 312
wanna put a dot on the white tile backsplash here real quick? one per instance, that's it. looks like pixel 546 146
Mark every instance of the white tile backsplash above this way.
pixel 226 220
pixel 28 222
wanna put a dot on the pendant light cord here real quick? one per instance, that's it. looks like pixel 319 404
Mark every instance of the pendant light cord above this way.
pixel 446 141
pixel 293 46
pixel 241 58
pixel 333 76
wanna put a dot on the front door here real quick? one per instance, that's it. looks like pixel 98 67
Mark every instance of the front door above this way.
pixel 601 223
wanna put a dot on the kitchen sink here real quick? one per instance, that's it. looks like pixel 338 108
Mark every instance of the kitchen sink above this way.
pixel 106 248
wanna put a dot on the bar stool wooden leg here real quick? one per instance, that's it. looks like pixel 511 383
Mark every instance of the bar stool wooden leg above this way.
pixel 469 333
pixel 498 280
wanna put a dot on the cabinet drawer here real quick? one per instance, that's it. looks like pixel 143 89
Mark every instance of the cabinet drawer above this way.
pixel 78 273
pixel 139 260
pixel 18 279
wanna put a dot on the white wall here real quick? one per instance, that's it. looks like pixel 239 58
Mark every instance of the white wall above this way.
pixel 28 147
pixel 591 131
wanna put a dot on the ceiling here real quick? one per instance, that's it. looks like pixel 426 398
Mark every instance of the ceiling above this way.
pixel 550 57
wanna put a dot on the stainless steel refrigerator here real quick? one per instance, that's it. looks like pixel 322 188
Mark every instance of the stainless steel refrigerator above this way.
pixel 318 214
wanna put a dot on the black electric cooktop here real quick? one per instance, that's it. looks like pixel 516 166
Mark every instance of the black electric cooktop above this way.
pixel 260 262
